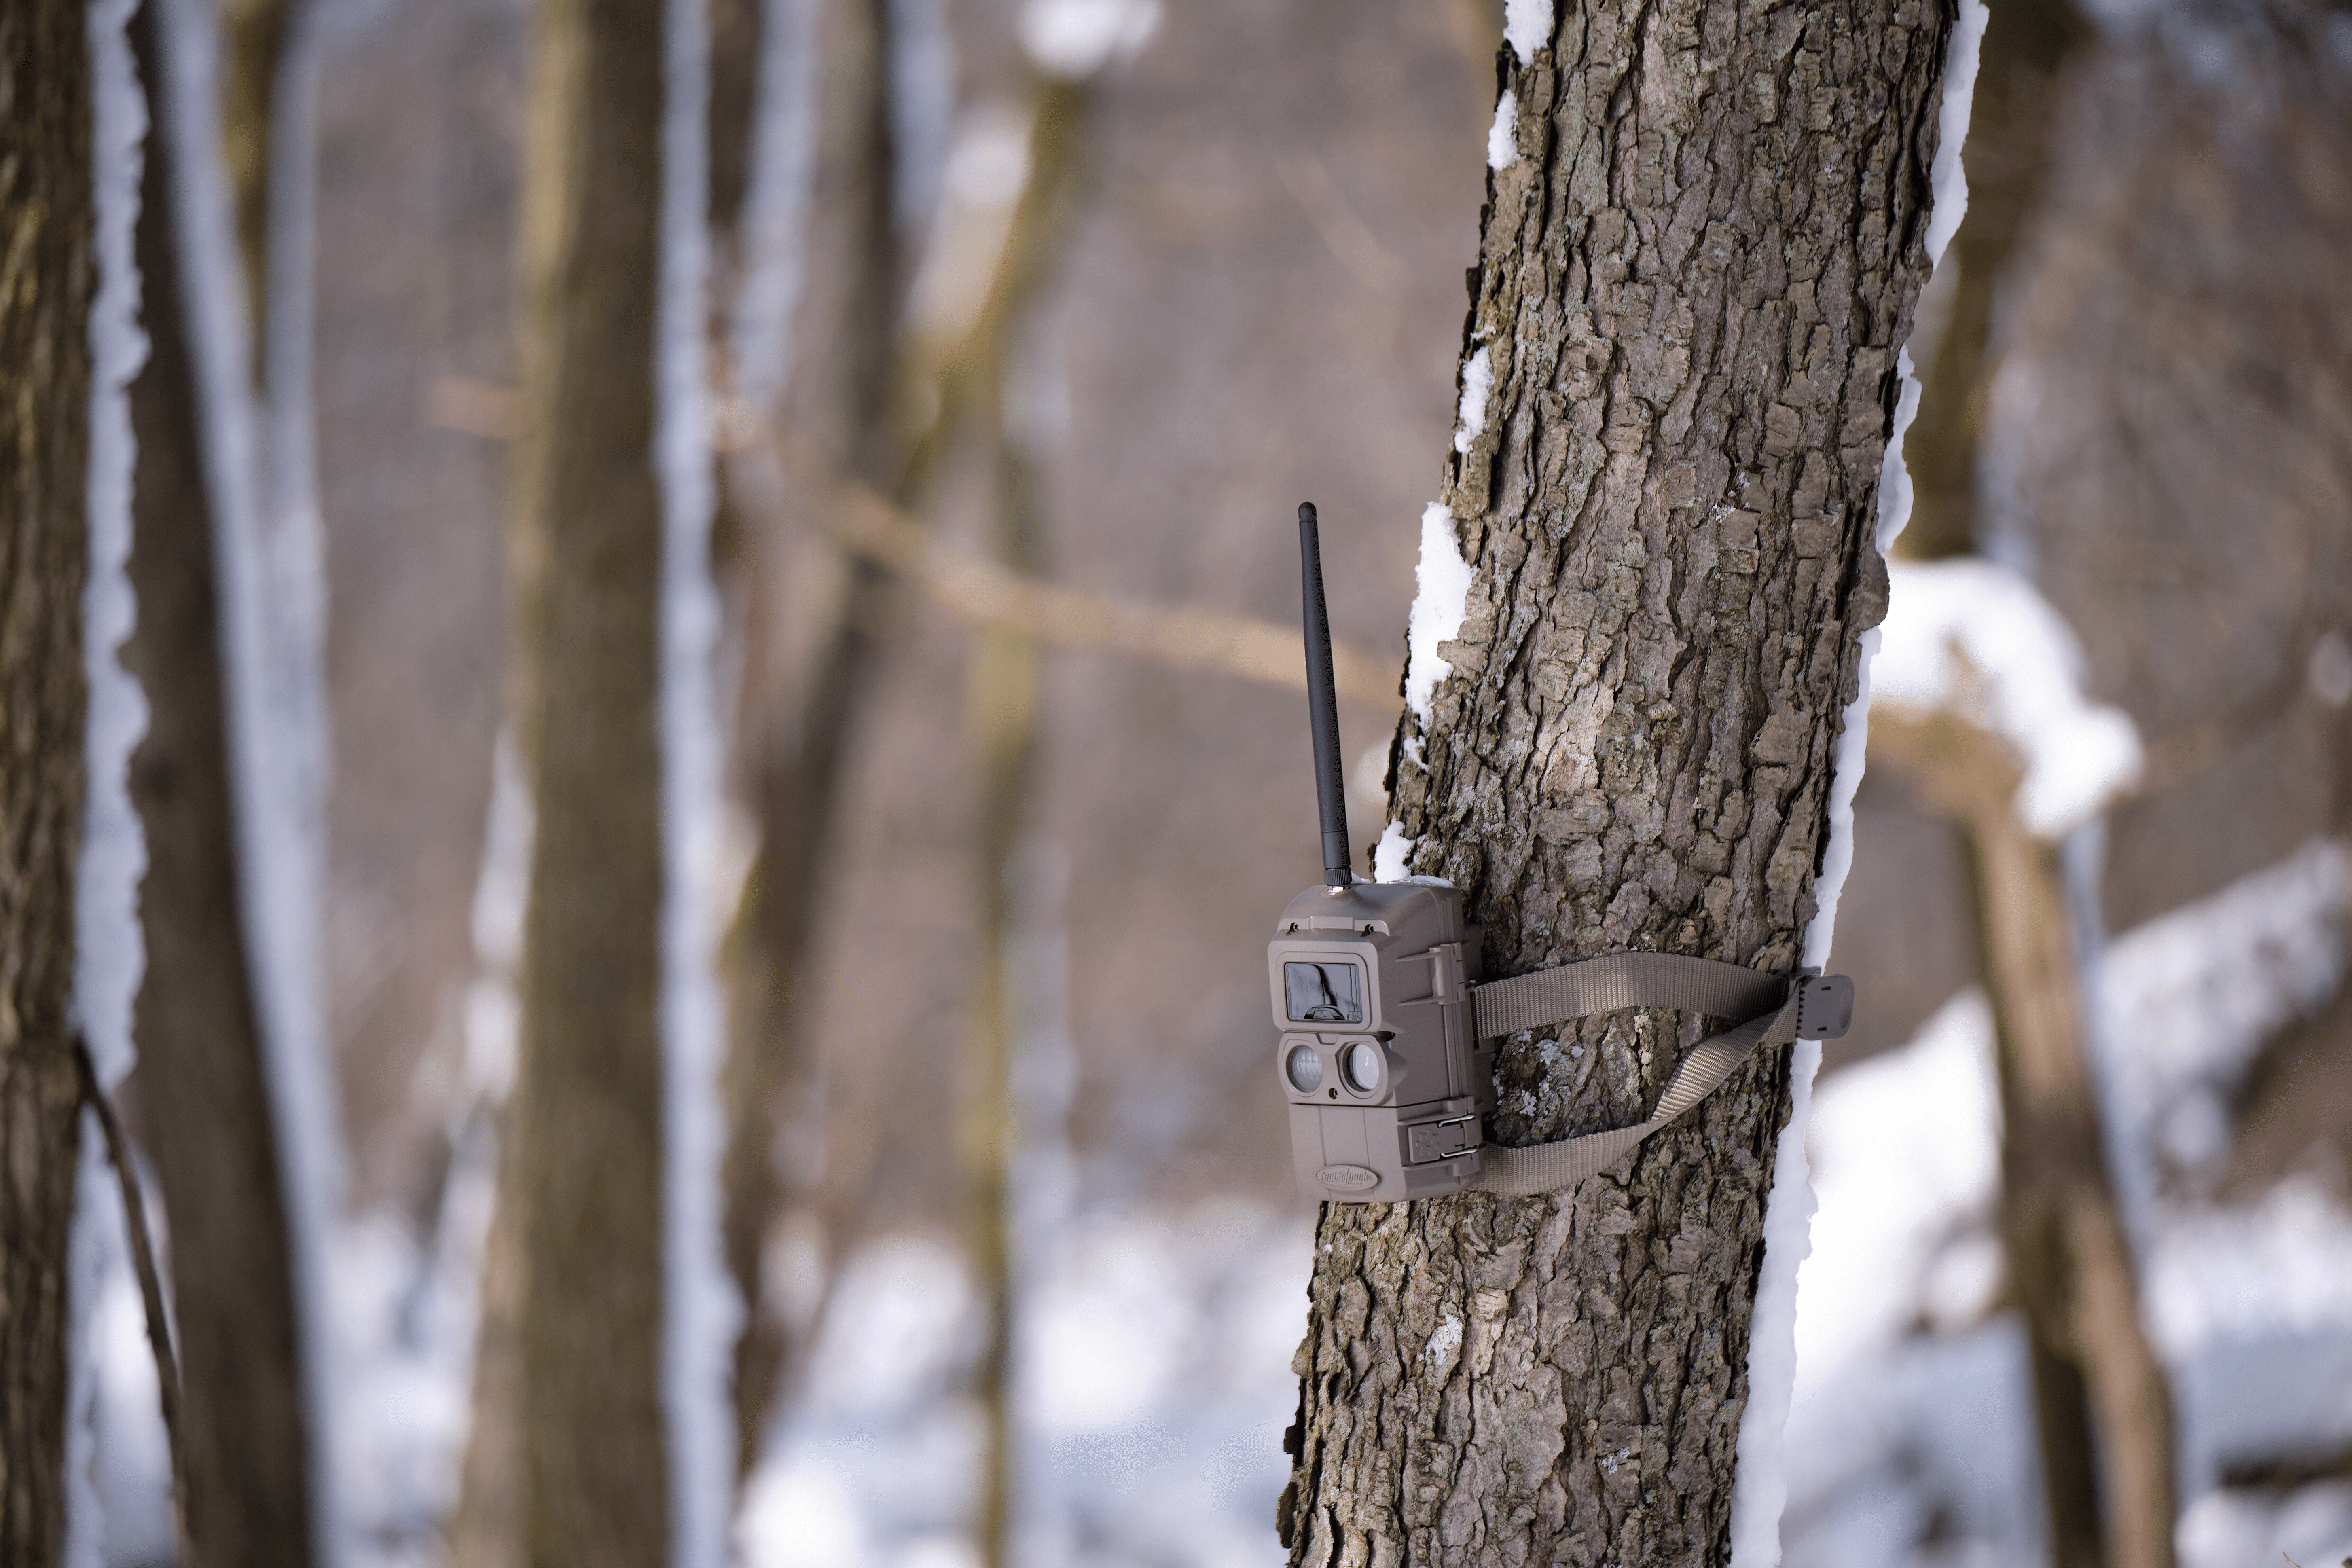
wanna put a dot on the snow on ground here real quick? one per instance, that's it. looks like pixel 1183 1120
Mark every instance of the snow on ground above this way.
pixel 1153 1388
pixel 1154 1378
pixel 1911 1438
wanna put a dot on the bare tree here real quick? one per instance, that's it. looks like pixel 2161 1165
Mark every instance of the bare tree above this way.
pixel 2102 1403
pixel 571 1416
pixel 203 1086
pixel 1701 251
pixel 795 740
pixel 46 288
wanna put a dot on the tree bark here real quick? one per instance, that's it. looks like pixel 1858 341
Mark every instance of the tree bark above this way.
pixel 45 285
pixel 203 1079
pixel 581 1176
pixel 1692 283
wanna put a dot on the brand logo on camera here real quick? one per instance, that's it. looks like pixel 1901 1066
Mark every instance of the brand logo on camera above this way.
pixel 1348 1178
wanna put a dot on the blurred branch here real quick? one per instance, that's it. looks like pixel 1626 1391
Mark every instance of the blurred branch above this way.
pixel 150 1290
pixel 253 35
pixel 987 593
pixel 869 526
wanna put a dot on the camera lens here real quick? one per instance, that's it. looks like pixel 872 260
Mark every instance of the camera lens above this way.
pixel 1305 1068
pixel 1361 1065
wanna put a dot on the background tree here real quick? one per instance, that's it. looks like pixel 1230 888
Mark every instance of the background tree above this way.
pixel 45 295
pixel 577 1407
pixel 2101 1398
pixel 1701 249
pixel 206 1112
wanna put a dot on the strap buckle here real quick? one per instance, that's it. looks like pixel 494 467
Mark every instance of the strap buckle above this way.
pixel 1824 1005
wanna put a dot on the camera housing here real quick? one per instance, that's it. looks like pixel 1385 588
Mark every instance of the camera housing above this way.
pixel 1377 1051
pixel 1377 1056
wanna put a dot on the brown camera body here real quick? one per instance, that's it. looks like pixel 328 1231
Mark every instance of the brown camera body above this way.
pixel 1377 1055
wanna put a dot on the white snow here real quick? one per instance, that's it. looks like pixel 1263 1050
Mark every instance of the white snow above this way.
pixel 1503 136
pixel 1153 1387
pixel 1948 183
pixel 776 206
pixel 1393 853
pixel 1759 1489
pixel 1443 581
pixel 701 1309
pixel 1477 385
pixel 1528 25
pixel 1974 638
pixel 1076 39
pixel 1912 1398
pixel 108 953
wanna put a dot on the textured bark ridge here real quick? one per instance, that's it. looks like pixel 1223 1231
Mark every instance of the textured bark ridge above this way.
pixel 1692 281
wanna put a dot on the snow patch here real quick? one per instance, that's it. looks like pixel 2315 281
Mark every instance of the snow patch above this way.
pixel 1911 1401
pixel 701 1311
pixel 773 262
pixel 1949 198
pixel 1075 39
pixel 1445 1341
pixel 1974 638
pixel 1443 579
pixel 1503 136
pixel 1393 853
pixel 1528 25
pixel 109 953
pixel 1189 1314
pixel 1477 385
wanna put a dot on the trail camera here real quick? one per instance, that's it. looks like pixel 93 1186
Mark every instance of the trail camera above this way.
pixel 1379 1055
pixel 1383 1017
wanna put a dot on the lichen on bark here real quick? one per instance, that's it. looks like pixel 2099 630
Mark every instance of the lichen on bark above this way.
pixel 1693 282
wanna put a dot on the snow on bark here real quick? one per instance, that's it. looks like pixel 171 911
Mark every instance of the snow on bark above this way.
pixel 1477 386
pixel 109 951
pixel 272 608
pixel 1528 25
pixel 1443 579
pixel 784 176
pixel 1503 136
pixel 700 1311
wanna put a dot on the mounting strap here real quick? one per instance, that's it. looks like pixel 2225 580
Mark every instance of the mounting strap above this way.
pixel 1778 1009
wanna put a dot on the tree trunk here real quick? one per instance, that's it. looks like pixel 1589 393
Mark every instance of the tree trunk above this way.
pixel 2021 63
pixel 581 1176
pixel 253 56
pixel 203 1083
pixel 45 285
pixel 1693 280
pixel 2114 1500
pixel 797 745
pixel 1001 706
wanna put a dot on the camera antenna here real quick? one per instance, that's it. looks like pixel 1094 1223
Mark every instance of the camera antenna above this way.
pixel 1323 706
